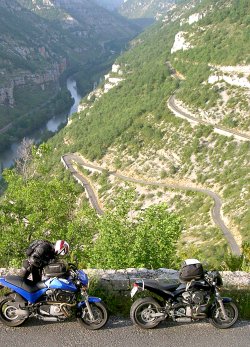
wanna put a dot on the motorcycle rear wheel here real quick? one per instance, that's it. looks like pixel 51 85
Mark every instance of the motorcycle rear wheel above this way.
pixel 141 313
pixel 100 314
pixel 8 315
pixel 217 319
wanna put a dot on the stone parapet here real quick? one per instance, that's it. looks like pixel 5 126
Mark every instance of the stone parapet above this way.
pixel 120 281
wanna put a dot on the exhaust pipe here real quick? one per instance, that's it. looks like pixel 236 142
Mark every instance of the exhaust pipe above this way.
pixel 48 319
pixel 184 319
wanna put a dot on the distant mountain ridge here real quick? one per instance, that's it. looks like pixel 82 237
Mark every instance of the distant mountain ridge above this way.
pixel 109 4
pixel 145 8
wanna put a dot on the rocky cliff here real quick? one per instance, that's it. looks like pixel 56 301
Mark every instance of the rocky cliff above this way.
pixel 24 78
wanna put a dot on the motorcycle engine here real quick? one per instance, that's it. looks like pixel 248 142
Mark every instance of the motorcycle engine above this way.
pixel 60 296
pixel 51 310
pixel 58 303
pixel 196 298
pixel 64 296
pixel 196 303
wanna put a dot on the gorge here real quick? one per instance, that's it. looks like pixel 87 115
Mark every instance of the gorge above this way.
pixel 7 158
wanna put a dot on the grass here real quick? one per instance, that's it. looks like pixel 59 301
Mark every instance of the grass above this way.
pixel 242 299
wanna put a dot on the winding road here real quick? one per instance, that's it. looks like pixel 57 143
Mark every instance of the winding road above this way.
pixel 69 159
pixel 217 128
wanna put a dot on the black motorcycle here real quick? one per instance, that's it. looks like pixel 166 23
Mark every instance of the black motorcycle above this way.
pixel 183 302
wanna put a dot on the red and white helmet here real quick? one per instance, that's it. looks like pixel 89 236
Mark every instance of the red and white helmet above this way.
pixel 61 247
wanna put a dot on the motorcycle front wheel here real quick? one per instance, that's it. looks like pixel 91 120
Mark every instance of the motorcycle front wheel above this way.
pixel 100 316
pixel 142 313
pixel 218 320
pixel 8 313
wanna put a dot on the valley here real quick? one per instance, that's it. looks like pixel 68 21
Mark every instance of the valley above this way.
pixel 8 157
pixel 58 39
pixel 169 124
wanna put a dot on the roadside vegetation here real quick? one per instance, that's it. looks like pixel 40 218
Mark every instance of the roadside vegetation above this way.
pixel 35 208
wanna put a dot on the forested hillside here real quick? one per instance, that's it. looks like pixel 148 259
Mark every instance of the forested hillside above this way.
pixel 145 8
pixel 128 127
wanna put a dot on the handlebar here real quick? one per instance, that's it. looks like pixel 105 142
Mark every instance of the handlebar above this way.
pixel 72 266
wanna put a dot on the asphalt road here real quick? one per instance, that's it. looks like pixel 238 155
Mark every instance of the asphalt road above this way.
pixel 230 132
pixel 70 158
pixel 121 333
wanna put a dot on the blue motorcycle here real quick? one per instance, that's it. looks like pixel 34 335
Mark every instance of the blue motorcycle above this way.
pixel 61 295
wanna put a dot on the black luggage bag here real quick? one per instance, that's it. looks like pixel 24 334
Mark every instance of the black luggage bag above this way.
pixel 191 271
pixel 56 269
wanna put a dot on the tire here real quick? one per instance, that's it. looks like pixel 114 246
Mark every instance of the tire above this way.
pixel 217 318
pixel 100 316
pixel 141 311
pixel 8 315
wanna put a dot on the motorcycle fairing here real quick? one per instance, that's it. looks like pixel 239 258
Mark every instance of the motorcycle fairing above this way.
pixel 60 283
pixel 83 277
pixel 90 299
pixel 31 292
pixel 225 300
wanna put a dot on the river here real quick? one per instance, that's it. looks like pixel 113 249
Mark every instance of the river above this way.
pixel 8 157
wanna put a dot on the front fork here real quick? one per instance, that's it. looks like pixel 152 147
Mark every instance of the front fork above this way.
pixel 86 299
pixel 220 302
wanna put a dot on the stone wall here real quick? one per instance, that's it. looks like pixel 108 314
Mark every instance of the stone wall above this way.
pixel 121 281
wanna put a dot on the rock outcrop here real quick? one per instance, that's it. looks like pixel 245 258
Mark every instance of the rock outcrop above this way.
pixel 51 75
pixel 233 75
pixel 180 43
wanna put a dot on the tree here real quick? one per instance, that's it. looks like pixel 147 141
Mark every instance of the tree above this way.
pixel 129 237
pixel 155 237
pixel 31 159
pixel 32 209
pixel 24 158
pixel 115 229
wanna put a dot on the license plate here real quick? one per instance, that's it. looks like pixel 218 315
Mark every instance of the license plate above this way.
pixel 133 291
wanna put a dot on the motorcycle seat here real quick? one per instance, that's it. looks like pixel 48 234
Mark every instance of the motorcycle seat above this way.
pixel 161 286
pixel 25 284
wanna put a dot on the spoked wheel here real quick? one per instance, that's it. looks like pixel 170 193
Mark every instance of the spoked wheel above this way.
pixel 100 314
pixel 8 314
pixel 219 321
pixel 143 313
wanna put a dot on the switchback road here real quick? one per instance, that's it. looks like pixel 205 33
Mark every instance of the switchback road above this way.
pixel 69 159
pixel 217 128
pixel 121 333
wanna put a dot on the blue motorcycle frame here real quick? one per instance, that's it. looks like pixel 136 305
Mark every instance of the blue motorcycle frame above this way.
pixel 91 311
